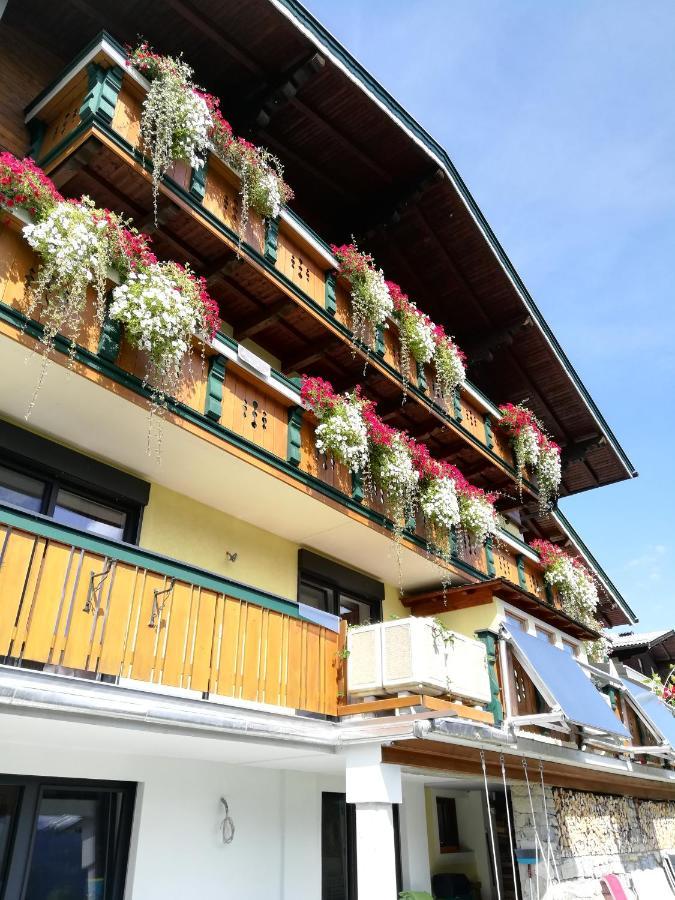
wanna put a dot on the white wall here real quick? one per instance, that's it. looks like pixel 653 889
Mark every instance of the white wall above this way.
pixel 176 852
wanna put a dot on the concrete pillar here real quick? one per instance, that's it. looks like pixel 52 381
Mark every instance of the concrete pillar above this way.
pixel 373 787
pixel 414 837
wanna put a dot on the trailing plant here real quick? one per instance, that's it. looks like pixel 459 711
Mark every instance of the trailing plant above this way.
pixel 263 188
pixel 575 584
pixel 478 517
pixel 25 186
pixel 438 497
pixel 391 467
pixel 534 450
pixel 175 120
pixel 181 121
pixel 161 307
pixel 371 301
pixel 76 251
pixel 449 363
pixel 341 431
pixel 415 329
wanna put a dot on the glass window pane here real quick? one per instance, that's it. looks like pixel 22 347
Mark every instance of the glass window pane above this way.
pixel 354 611
pixel 9 802
pixel 515 622
pixel 21 490
pixel 544 635
pixel 71 509
pixel 317 597
pixel 569 648
pixel 75 839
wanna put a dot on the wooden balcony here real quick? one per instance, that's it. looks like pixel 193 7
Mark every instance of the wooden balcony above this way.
pixel 248 408
pixel 276 284
pixel 103 608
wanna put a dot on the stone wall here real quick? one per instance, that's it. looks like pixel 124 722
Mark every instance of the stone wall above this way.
pixel 593 835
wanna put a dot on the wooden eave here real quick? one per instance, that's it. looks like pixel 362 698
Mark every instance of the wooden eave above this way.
pixel 360 165
pixel 454 759
pixel 434 603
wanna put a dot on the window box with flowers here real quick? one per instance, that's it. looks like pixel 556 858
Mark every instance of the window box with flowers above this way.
pixel 576 588
pixel 533 450
pixel 181 121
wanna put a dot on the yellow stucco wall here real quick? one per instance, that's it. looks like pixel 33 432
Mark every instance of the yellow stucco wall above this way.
pixel 180 527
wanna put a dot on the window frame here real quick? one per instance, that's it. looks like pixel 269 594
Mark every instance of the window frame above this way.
pixel 22 838
pixel 55 482
pixel 335 579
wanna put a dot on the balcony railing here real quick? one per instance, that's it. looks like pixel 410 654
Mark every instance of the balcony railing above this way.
pixel 103 608
pixel 246 403
pixel 100 97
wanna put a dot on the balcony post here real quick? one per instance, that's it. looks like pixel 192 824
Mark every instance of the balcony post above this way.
pixel 489 438
pixel 491 639
pixel 520 565
pixel 373 787
pixel 110 339
pixel 103 89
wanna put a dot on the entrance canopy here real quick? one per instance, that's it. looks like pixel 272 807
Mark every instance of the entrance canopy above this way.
pixel 564 685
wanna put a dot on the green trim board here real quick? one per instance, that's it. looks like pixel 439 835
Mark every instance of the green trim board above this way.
pixel 201 420
pixel 335 49
pixel 45 527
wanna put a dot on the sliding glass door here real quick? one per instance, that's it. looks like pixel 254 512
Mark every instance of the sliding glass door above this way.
pixel 63 840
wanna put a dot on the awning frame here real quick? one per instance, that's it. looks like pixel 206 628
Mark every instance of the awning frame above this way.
pixel 555 719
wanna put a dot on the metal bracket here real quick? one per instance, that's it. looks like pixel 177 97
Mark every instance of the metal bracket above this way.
pixel 157 607
pixel 94 592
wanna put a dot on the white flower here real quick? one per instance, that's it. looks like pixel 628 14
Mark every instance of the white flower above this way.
pixel 450 371
pixel 439 503
pixel 478 516
pixel 160 310
pixel 526 447
pixel 371 301
pixel 343 433
pixel 394 473
pixel 549 474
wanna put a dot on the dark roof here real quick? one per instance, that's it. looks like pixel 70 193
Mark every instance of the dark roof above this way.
pixel 360 164
pixel 658 644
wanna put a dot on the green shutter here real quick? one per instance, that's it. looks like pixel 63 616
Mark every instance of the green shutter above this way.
pixel 491 639
pixel 294 445
pixel 110 339
pixel 271 240
pixel 102 92
pixel 379 340
pixel 520 564
pixel 457 405
pixel 357 487
pixel 489 558
pixel 331 304
pixel 489 439
pixel 198 182
pixel 213 406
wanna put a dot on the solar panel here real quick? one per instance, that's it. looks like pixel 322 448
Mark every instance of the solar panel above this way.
pixel 563 678
pixel 656 712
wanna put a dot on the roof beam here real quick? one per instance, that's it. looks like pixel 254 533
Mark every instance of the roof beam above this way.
pixel 316 351
pixel 260 320
pixel 273 97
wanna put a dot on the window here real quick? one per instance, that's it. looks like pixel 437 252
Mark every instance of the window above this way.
pixel 544 635
pixel 515 622
pixel 21 490
pixel 88 515
pixel 63 838
pixel 448 834
pixel 335 589
pixel 569 647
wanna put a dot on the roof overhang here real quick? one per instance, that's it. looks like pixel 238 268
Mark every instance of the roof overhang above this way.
pixel 479 594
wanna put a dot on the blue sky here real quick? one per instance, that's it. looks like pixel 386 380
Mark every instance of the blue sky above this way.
pixel 560 116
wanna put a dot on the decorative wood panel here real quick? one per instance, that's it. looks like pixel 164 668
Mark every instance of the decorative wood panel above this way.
pixel 66 606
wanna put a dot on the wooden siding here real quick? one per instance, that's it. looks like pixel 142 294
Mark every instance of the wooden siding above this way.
pixel 66 606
